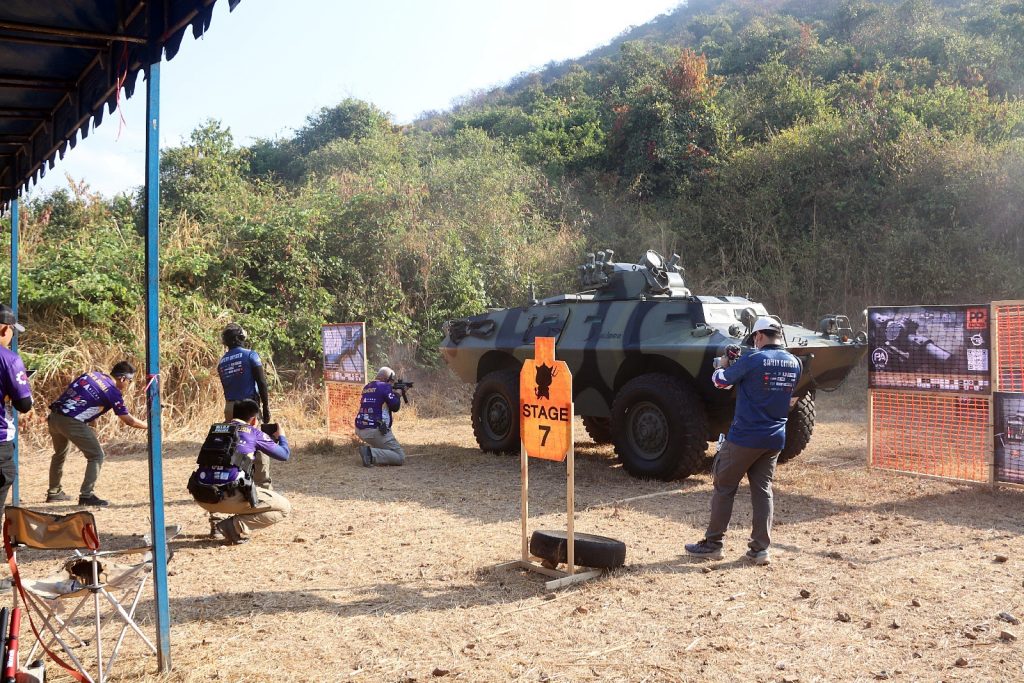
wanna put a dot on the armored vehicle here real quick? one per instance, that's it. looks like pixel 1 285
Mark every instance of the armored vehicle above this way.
pixel 642 349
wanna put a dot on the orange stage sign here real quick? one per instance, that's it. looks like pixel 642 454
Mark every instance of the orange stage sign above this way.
pixel 545 404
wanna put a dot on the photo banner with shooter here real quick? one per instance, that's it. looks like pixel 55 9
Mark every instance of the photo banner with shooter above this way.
pixel 930 348
pixel 344 374
pixel 1008 414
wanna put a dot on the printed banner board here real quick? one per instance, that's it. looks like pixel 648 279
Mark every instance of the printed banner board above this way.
pixel 930 348
pixel 1008 423
pixel 545 403
pixel 344 375
pixel 344 352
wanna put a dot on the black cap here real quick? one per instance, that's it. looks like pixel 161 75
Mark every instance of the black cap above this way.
pixel 7 318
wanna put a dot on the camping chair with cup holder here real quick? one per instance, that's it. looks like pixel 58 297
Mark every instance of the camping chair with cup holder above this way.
pixel 82 594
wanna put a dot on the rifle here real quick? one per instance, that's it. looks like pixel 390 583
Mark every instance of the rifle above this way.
pixel 401 386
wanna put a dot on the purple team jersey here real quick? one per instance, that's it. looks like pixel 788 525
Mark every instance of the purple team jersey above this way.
pixel 14 385
pixel 236 374
pixel 378 402
pixel 90 396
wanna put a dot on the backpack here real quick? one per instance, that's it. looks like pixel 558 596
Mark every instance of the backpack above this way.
pixel 220 465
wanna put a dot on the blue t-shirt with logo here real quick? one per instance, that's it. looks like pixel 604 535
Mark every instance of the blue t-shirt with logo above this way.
pixel 236 374
pixel 13 386
pixel 764 382
pixel 90 396
pixel 378 402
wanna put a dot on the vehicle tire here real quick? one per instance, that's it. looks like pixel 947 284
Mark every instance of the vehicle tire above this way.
pixel 590 550
pixel 659 428
pixel 496 412
pixel 799 427
pixel 599 429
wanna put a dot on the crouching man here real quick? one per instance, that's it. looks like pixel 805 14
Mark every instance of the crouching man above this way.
pixel 223 483
pixel 379 403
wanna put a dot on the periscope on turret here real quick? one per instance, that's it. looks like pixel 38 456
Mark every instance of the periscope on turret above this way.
pixel 641 347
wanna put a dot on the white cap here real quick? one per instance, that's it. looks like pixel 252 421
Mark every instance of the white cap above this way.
pixel 769 324
pixel 385 374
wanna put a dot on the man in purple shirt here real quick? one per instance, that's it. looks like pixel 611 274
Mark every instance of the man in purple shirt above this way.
pixel 71 421
pixel 243 378
pixel 375 418
pixel 16 390
pixel 249 510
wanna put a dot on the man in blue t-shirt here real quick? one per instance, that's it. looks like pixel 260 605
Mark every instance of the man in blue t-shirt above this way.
pixel 375 419
pixel 243 378
pixel 271 507
pixel 764 382
pixel 15 390
pixel 72 421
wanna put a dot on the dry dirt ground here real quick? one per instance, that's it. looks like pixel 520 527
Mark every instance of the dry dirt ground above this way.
pixel 382 574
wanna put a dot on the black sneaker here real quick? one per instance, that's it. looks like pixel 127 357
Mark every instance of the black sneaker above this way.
pixel 367 456
pixel 59 497
pixel 93 500
pixel 705 550
pixel 759 557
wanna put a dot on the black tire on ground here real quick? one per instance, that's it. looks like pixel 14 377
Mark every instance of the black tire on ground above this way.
pixel 496 412
pixel 591 551
pixel 799 427
pixel 599 429
pixel 660 428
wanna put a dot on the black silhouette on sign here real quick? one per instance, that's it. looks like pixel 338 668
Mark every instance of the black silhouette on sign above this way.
pixel 544 376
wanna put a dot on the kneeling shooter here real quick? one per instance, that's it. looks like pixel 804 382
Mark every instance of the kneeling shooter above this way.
pixel 223 483
pixel 381 399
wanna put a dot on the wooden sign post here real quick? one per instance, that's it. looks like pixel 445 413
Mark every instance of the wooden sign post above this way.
pixel 546 432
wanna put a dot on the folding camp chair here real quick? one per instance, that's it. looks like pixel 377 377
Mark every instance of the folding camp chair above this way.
pixel 60 602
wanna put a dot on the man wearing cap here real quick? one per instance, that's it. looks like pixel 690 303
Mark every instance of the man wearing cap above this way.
pixel 72 421
pixel 764 382
pixel 16 389
pixel 243 378
pixel 373 422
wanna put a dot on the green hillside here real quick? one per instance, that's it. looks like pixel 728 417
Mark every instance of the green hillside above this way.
pixel 818 155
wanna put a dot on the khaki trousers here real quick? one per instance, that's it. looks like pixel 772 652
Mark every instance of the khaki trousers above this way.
pixel 261 468
pixel 65 431
pixel 273 508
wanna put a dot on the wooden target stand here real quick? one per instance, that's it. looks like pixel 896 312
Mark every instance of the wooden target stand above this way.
pixel 546 432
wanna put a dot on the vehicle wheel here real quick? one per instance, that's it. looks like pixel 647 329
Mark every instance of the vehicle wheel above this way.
pixel 590 550
pixel 496 412
pixel 799 428
pixel 599 429
pixel 659 428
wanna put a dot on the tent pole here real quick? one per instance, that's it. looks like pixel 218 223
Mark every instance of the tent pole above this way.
pixel 153 388
pixel 15 488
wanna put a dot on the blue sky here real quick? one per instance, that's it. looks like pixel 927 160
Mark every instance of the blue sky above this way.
pixel 264 67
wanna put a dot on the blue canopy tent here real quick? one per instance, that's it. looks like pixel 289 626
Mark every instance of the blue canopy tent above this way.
pixel 61 65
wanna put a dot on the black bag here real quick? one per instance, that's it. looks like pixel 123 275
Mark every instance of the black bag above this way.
pixel 219 448
pixel 204 493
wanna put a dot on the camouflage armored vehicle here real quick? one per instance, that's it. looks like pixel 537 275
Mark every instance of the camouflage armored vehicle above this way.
pixel 641 348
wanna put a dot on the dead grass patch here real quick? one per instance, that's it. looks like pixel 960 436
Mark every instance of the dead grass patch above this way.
pixel 382 574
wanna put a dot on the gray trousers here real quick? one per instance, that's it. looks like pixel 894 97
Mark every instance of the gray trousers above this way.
pixel 65 431
pixel 261 467
pixel 273 508
pixel 384 448
pixel 731 463
pixel 7 471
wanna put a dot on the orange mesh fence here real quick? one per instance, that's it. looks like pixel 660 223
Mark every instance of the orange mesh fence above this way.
pixel 342 405
pixel 932 434
pixel 1009 365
